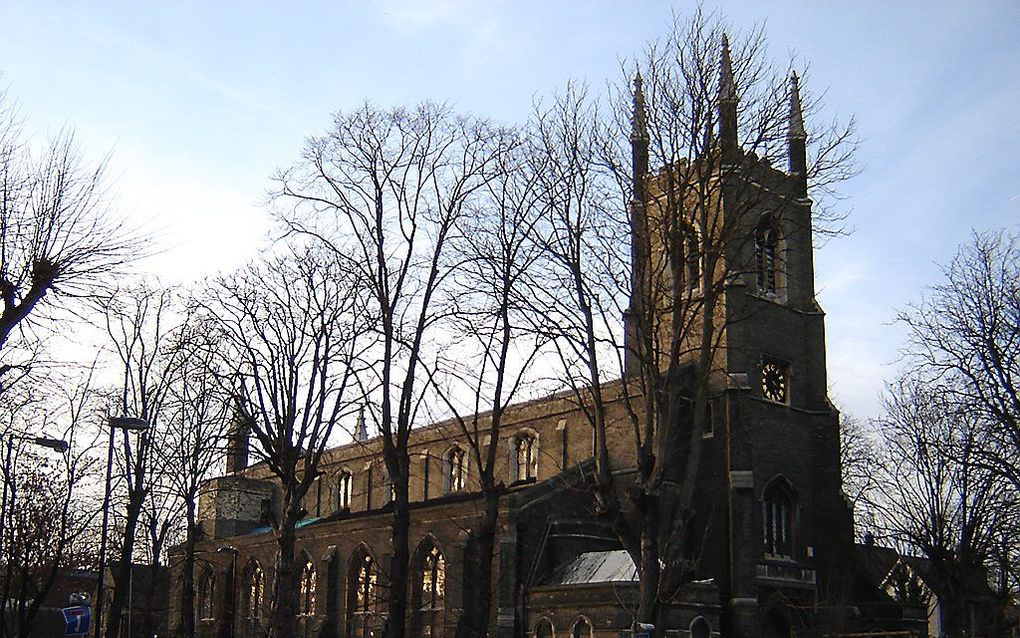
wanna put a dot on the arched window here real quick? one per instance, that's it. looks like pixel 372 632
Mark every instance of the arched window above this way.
pixel 690 258
pixel 544 629
pixel 344 489
pixel 455 470
pixel 687 257
pixel 433 593
pixel 389 489
pixel 361 595
pixel 206 594
pixel 766 246
pixel 777 511
pixel 306 604
pixel 524 457
pixel 700 628
pixel 581 628
pixel 253 593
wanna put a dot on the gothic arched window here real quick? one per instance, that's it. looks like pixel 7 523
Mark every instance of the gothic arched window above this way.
pixel 778 507
pixel 253 593
pixel 433 593
pixel 306 603
pixel 544 629
pixel 206 594
pixel 389 489
pixel 344 489
pixel 690 257
pixel 683 258
pixel 361 595
pixel 766 248
pixel 455 470
pixel 700 628
pixel 524 459
pixel 581 628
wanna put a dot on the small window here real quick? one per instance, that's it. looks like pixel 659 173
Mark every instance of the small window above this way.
pixel 581 628
pixel 253 597
pixel 524 459
pixel 344 489
pixel 778 509
pixel 456 469
pixel 544 629
pixel 389 489
pixel 206 594
pixel 306 604
pixel 765 253
pixel 700 628
pixel 687 257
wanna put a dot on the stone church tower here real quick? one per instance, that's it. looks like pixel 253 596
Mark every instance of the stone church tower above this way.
pixel 775 531
pixel 770 529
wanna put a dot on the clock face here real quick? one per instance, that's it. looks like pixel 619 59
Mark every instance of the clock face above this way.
pixel 774 381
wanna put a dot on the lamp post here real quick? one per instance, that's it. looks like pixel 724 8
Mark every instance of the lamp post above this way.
pixel 42 441
pixel 114 423
pixel 232 589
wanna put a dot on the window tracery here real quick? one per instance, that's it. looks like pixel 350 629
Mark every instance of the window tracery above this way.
pixel 778 507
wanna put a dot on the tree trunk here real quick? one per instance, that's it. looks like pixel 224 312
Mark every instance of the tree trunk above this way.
pixel 186 627
pixel 396 618
pixel 649 568
pixel 122 577
pixel 477 598
pixel 284 620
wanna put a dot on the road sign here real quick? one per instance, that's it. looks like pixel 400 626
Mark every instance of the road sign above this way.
pixel 77 619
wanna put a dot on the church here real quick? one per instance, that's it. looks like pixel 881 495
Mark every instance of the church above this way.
pixel 773 532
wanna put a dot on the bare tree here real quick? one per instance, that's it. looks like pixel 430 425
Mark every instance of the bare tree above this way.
pixel 292 328
pixel 389 188
pixel 141 323
pixel 714 118
pixel 59 242
pixel 934 496
pixel 859 458
pixel 47 515
pixel 965 337
pixel 191 440
pixel 479 374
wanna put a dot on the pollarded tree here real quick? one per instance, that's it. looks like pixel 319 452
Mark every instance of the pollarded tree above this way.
pixel 664 250
pixel 59 241
pixel 292 328
pixel 389 189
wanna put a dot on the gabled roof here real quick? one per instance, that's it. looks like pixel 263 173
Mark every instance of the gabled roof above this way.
pixel 613 566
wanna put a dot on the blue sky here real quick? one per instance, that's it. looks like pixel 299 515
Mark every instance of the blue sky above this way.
pixel 199 102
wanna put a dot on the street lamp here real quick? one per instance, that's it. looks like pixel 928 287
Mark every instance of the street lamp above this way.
pixel 231 589
pixel 42 441
pixel 115 423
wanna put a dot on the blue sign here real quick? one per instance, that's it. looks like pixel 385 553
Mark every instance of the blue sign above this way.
pixel 77 619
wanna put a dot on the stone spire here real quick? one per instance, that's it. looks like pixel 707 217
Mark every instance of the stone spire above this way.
pixel 796 138
pixel 797 130
pixel 727 87
pixel 638 229
pixel 639 118
pixel 639 140
pixel 727 103
pixel 361 430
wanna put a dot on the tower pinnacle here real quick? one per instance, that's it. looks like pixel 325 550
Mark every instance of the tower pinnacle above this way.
pixel 639 119
pixel 727 105
pixel 796 138
pixel 727 87
pixel 797 130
